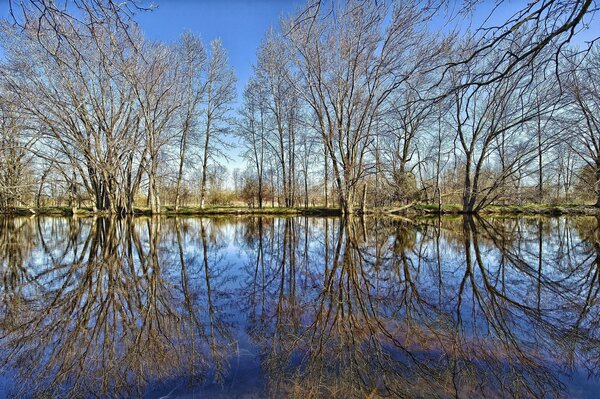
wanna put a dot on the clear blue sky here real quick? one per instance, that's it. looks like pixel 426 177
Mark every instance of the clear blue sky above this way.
pixel 241 25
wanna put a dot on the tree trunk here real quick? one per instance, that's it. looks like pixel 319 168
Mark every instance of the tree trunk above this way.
pixel 347 202
pixel 180 171
pixel 468 195
pixel 540 166
pixel 305 188
pixel 205 164
pixel 326 180
pixel 363 205
pixel 260 191
pixel 597 204
pixel 153 197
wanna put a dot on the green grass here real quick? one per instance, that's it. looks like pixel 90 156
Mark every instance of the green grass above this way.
pixel 421 208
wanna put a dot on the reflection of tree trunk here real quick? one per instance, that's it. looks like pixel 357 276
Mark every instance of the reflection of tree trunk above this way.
pixel 259 266
pixel 282 270
pixel 540 261
pixel 326 244
pixel 326 183
pixel 209 296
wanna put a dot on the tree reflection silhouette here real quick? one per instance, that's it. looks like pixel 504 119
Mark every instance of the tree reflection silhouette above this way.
pixel 354 307
pixel 104 320
pixel 374 326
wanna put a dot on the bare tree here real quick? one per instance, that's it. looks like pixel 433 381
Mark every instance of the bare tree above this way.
pixel 155 83
pixel 348 62
pixel 85 107
pixel 219 95
pixel 489 119
pixel 584 121
pixel 252 130
pixel 192 60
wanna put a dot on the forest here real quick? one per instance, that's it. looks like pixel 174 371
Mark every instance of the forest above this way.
pixel 352 105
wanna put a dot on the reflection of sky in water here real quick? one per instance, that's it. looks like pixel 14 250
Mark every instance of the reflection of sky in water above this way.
pixel 278 305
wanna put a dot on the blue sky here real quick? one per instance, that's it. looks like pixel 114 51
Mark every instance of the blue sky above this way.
pixel 241 25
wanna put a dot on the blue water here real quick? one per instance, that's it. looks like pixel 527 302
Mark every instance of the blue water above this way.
pixel 249 307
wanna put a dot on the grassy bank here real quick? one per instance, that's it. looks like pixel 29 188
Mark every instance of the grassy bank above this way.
pixel 183 211
pixel 414 209
pixel 526 209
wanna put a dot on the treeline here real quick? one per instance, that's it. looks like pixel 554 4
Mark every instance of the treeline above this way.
pixel 98 114
pixel 352 104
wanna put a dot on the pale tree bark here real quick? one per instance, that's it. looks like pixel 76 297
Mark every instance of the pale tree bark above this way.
pixel 192 61
pixel 251 129
pixel 220 93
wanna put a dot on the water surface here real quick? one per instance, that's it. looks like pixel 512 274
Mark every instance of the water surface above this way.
pixel 301 307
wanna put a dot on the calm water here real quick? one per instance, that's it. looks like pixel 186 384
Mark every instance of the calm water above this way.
pixel 299 307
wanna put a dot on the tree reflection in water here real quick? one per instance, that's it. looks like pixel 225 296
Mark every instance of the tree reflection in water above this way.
pixel 99 311
pixel 346 308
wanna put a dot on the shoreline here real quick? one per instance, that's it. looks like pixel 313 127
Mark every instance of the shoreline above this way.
pixel 412 210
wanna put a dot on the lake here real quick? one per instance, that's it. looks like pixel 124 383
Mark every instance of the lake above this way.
pixel 300 307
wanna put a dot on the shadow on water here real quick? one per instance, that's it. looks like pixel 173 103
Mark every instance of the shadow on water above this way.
pixel 299 307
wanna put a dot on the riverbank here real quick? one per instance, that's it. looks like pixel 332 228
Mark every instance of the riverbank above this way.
pixel 407 210
pixel 503 210
pixel 182 211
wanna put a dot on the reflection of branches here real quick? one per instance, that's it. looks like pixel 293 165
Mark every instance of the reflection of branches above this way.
pixel 108 322
pixel 500 314
pixel 373 326
pixel 354 307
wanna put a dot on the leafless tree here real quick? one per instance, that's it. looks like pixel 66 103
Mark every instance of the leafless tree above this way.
pixel 192 60
pixel 584 118
pixel 347 65
pixel 489 119
pixel 218 98
pixel 252 130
